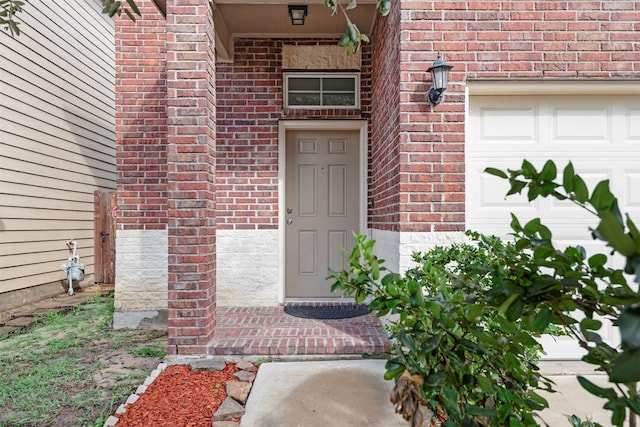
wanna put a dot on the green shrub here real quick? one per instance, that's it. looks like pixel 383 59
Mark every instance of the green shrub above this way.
pixel 465 320
pixel 460 357
pixel 587 285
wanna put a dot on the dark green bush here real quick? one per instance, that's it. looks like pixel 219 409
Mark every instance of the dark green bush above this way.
pixel 466 318
pixel 469 361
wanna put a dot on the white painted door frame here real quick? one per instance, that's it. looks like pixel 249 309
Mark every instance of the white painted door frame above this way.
pixel 319 125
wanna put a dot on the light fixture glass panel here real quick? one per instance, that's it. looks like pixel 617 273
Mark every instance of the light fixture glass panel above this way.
pixel 297 13
pixel 441 78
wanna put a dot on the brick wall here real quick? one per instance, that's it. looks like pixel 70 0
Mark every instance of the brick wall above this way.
pixel 249 105
pixel 141 130
pixel 191 153
pixel 384 145
pixel 166 171
pixel 249 94
pixel 416 151
pixel 491 40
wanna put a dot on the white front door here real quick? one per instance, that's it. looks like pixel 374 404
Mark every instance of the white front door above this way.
pixel 322 208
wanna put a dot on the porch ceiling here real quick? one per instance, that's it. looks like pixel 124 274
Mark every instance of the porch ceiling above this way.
pixel 270 18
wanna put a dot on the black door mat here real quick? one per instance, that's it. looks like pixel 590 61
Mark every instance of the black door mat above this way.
pixel 328 311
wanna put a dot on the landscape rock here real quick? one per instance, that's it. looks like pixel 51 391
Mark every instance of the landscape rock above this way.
pixel 112 421
pixel 228 410
pixel 238 390
pixel 215 365
pixel 245 376
pixel 245 365
pixel 225 424
pixel 152 377
pixel 132 399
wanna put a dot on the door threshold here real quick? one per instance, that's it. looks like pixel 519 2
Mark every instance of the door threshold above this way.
pixel 318 300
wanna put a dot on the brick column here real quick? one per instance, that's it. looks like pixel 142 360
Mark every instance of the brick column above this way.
pixel 191 175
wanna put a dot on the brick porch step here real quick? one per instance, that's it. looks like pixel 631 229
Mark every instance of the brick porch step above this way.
pixel 269 331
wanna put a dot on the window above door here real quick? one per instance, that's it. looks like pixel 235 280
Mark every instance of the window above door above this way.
pixel 317 90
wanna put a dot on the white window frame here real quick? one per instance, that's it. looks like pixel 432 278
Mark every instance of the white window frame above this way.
pixel 354 75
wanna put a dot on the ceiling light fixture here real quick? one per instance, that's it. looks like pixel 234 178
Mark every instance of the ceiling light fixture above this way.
pixel 297 13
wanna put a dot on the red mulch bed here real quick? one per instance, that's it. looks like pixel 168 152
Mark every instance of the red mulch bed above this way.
pixel 179 397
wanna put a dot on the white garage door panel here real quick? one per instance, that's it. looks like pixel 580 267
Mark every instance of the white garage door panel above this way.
pixel 486 193
pixel 560 123
pixel 600 135
pixel 632 189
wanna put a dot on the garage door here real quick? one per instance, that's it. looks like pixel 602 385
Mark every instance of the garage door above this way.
pixel 599 134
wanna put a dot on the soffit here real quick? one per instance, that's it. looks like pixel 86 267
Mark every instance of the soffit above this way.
pixel 270 18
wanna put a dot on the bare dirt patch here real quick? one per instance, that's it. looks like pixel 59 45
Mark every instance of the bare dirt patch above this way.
pixel 74 369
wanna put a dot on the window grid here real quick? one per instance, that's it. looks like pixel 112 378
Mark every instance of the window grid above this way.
pixel 318 95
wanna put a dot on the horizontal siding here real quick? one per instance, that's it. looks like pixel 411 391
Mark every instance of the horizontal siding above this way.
pixel 48 80
pixel 28 107
pixel 9 238
pixel 33 215
pixel 59 251
pixel 57 137
pixel 22 136
pixel 60 168
pixel 41 196
pixel 21 203
pixel 20 272
pixel 39 175
pixel 51 274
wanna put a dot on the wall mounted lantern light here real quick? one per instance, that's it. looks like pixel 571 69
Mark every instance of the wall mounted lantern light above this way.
pixel 297 14
pixel 440 77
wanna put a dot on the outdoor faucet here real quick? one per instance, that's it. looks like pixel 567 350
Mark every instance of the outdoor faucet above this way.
pixel 73 268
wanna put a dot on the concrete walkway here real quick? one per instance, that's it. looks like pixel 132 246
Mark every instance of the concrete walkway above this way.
pixel 353 393
pixel 331 393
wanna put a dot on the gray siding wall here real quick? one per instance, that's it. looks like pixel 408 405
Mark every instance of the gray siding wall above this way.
pixel 57 138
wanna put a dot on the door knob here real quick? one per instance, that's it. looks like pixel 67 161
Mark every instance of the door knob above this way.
pixel 289 221
pixel 289 210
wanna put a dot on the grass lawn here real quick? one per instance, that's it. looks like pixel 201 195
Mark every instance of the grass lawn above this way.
pixel 73 369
